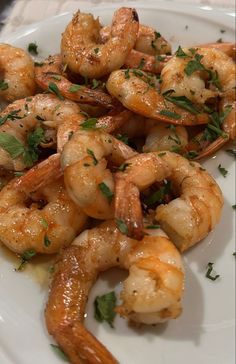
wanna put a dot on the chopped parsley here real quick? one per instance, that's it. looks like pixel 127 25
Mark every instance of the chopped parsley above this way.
pixel 47 241
pixel 191 154
pixel 170 114
pixel 96 50
pixel 3 85
pixel 141 64
pixel 123 167
pixel 11 145
pixel 158 195
pixel 91 153
pixel 123 137
pixel 33 48
pixel 122 226
pixel 11 116
pixel 52 87
pixel 180 53
pixel 44 223
pixel 222 170
pixel 106 191
pixel 95 83
pixel 89 124
pixel 127 75
pixel 182 101
pixel 209 271
pixel 104 308
pixel 74 88
pixel 152 227
pixel 25 257
pixel 234 207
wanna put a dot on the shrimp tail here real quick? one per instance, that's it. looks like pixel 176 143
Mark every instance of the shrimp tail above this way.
pixel 40 175
pixel 212 147
pixel 81 346
pixel 128 208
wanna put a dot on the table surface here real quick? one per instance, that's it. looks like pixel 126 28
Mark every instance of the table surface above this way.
pixel 16 13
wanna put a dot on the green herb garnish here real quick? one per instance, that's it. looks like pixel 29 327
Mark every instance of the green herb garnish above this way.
pixel 91 153
pixel 47 241
pixel 33 48
pixel 3 85
pixel 153 227
pixel 25 257
pixel 209 270
pixel 123 167
pixel 122 226
pixel 123 137
pixel 11 116
pixel 170 114
pixel 96 50
pixel 104 308
pixel 106 191
pixel 52 87
pixel 89 124
pixel 141 64
pixel 74 88
pixel 222 170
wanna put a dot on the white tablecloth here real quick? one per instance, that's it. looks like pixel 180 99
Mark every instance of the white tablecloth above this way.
pixel 25 12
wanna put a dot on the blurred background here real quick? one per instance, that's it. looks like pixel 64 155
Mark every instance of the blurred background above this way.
pixel 15 13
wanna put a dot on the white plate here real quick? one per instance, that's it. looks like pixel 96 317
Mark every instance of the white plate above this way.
pixel 205 332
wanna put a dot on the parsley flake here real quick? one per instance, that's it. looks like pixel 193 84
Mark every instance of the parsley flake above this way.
pixel 74 88
pixel 106 191
pixel 222 170
pixel 25 257
pixel 104 308
pixel 170 114
pixel 52 87
pixel 209 271
pixel 33 48
pixel 3 85
pixel 89 124
pixel 91 153
pixel 122 226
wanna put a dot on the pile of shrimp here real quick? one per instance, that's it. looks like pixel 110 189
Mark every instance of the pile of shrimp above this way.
pixel 73 185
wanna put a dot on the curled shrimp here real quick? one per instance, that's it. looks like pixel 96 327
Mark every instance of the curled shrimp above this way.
pixel 17 73
pixel 182 81
pixel 83 53
pixel 36 211
pixel 51 71
pixel 137 92
pixel 228 48
pixel 22 116
pixel 151 294
pixel 188 218
pixel 193 87
pixel 158 135
pixel 85 170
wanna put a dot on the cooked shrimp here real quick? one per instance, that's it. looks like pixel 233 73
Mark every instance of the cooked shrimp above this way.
pixel 25 224
pixel 149 44
pixel 228 48
pixel 85 170
pixel 147 62
pixel 83 53
pixel 151 294
pixel 186 219
pixel 182 81
pixel 109 123
pixel 51 71
pixel 159 136
pixel 16 73
pixel 137 93
pixel 149 41
pixel 203 145
pixel 24 115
